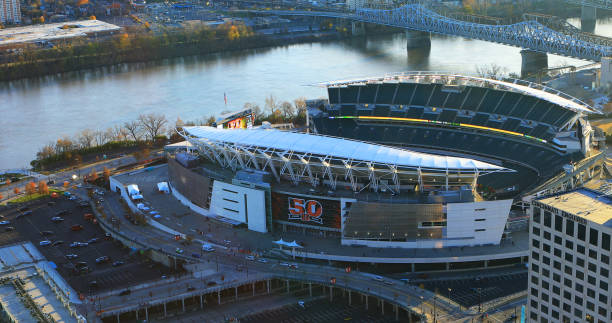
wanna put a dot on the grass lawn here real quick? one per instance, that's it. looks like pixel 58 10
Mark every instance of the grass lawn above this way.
pixel 27 198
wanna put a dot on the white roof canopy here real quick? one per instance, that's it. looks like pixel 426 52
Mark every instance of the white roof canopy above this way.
pixel 337 147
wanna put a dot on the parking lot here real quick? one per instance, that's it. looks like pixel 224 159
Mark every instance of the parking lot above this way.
pixel 82 269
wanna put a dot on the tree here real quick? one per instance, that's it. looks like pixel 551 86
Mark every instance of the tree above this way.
pixel 287 110
pixel 30 188
pixel 153 124
pixel 16 190
pixel 86 138
pixel 43 188
pixel 46 151
pixel 93 176
pixel 106 173
pixel 100 137
pixel 271 104
pixel 134 129
pixel 491 71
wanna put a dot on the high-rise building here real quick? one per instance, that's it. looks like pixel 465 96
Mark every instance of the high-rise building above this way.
pixel 10 12
pixel 569 275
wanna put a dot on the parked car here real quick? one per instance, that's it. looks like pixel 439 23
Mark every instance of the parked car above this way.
pixel 76 227
pixel 27 213
pixel 44 243
pixel 7 229
pixel 57 219
pixel 262 260
pixel 118 263
pixel 88 216
pixel 71 256
pixel 208 248
pixel 378 278
pixel 80 264
pixel 5 222
pixel 293 266
pixel 57 243
pixel 250 258
pixel 103 259
pixel 179 250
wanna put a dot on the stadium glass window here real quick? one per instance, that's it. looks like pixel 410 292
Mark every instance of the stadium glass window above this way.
pixel 545 284
pixel 557 265
pixel 557 277
pixel 536 214
pixel 555 314
pixel 604 272
pixel 603 285
pixel 535 243
pixel 569 245
pixel 578 300
pixel 546 247
pixel 568 270
pixel 581 232
pixel 602 311
pixel 590 306
pixel 593 254
pixel 567 282
pixel 605 241
pixel 558 240
pixel 592 267
pixel 546 235
pixel 592 280
pixel 593 236
pixel 546 260
pixel 536 231
pixel 547 219
pixel 558 223
pixel 580 248
pixel 569 227
pixel 555 302
pixel 579 261
pixel 590 293
pixel 557 252
pixel 535 255
pixel 569 257
pixel 605 259
pixel 603 298
pixel 579 288
pixel 579 275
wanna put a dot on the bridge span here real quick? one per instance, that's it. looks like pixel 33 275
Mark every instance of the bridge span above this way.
pixel 529 35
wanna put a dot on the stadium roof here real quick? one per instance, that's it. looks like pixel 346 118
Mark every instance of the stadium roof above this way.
pixel 519 86
pixel 337 147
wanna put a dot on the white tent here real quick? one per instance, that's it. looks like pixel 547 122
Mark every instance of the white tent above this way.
pixel 163 187
pixel 133 189
pixel 293 244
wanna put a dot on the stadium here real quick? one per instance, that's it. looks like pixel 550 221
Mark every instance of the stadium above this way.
pixel 515 124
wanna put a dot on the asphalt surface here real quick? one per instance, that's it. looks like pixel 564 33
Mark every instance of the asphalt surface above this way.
pixel 135 269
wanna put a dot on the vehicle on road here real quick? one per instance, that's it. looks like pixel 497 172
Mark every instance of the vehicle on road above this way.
pixel 71 256
pixel 88 216
pixel 44 243
pixel 27 213
pixel 103 259
pixel 293 266
pixel 179 251
pixel 118 263
pixel 301 304
pixel 76 227
pixel 388 282
pixel 378 278
pixel 250 258
pixel 57 219
pixel 284 264
pixel 80 264
pixel 262 260
pixel 92 240
pixel 77 244
pixel 125 292
pixel 208 248
pixel 57 243
pixel 7 229
pixel 5 222
pixel 62 212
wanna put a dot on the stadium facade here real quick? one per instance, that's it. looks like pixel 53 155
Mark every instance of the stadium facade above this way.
pixel 523 126
pixel 366 194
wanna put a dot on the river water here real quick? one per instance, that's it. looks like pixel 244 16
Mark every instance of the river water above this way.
pixel 36 112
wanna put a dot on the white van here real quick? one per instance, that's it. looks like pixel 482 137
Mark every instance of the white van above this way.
pixel 208 248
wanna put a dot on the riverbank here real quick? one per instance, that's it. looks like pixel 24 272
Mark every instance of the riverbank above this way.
pixel 143 49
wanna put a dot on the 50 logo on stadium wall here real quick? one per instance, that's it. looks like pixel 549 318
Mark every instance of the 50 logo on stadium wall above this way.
pixel 305 210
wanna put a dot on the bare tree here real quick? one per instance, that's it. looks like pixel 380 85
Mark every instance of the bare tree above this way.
pixel 47 150
pixel 120 133
pixel 133 129
pixel 300 105
pixel 86 138
pixel 493 71
pixel 100 137
pixel 287 110
pixel 64 144
pixel 153 124
pixel 271 104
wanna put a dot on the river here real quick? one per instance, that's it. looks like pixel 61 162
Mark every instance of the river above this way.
pixel 37 112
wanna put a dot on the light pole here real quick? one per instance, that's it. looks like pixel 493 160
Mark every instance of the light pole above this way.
pixel 449 290
pixel 434 299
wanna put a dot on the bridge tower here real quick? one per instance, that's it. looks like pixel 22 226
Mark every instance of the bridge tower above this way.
pixel 417 39
pixel 532 62
pixel 358 28
pixel 588 18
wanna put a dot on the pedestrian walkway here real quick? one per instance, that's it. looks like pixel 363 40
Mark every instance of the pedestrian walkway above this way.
pixel 46 300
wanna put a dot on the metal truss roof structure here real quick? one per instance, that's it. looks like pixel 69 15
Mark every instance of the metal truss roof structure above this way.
pixel 316 159
pixel 512 85
pixel 526 34
pixel 600 4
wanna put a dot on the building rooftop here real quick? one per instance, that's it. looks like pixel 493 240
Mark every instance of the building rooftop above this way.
pixel 588 204
pixel 302 143
pixel 50 32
